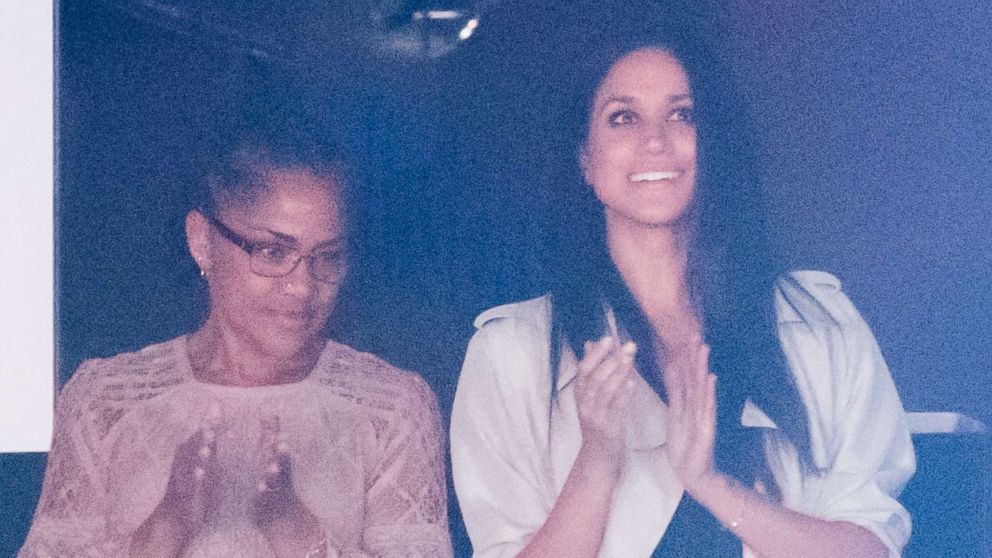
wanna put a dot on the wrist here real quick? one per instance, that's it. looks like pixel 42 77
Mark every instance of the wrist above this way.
pixel 161 534
pixel 710 487
pixel 296 531
pixel 725 498
pixel 598 465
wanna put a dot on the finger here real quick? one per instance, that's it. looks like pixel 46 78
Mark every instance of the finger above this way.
pixel 595 353
pixel 285 476
pixel 201 472
pixel 587 391
pixel 608 402
pixel 277 478
pixel 616 392
pixel 277 474
pixel 208 440
pixel 703 393
pixel 703 363
pixel 692 382
pixel 605 391
pixel 710 406
pixel 187 457
pixel 674 392
pixel 205 444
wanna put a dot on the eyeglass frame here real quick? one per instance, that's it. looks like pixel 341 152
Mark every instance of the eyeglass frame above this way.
pixel 250 247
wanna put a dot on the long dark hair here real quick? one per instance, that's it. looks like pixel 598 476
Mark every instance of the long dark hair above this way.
pixel 732 264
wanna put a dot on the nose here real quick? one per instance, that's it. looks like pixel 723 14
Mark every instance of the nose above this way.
pixel 657 138
pixel 300 281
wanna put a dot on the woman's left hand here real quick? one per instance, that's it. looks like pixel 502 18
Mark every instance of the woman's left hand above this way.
pixel 691 391
pixel 290 527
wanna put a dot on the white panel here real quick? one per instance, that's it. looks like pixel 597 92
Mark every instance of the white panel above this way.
pixel 26 239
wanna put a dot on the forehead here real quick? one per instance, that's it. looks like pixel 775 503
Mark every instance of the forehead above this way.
pixel 644 72
pixel 293 192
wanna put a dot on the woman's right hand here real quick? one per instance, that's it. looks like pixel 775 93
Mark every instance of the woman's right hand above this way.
pixel 188 498
pixel 604 384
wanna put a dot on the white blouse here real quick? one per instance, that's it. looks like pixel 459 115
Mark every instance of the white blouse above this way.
pixel 512 450
pixel 365 441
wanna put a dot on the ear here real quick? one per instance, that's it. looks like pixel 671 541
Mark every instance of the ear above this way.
pixel 198 239
pixel 583 156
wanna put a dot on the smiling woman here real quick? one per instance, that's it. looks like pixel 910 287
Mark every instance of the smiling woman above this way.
pixel 252 436
pixel 590 422
pixel 640 156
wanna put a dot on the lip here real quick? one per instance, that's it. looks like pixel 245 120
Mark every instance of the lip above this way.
pixel 290 319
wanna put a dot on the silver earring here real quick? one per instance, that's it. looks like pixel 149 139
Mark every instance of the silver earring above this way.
pixel 203 272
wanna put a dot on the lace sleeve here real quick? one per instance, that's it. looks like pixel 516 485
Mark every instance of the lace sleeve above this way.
pixel 406 513
pixel 70 520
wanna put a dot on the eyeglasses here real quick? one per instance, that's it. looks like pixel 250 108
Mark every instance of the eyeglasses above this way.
pixel 270 259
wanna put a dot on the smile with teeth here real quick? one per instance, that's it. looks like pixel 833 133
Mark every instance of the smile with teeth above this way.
pixel 654 176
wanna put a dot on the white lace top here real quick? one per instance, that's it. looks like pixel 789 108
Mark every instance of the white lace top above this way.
pixel 365 437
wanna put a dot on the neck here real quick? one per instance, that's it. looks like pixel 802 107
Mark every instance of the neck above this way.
pixel 652 262
pixel 219 356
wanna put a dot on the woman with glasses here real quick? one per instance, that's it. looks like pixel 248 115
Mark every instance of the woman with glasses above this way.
pixel 252 436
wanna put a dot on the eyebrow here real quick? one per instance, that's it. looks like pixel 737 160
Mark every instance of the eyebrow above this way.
pixel 335 242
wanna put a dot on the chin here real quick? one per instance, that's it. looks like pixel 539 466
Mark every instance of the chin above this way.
pixel 286 344
pixel 663 219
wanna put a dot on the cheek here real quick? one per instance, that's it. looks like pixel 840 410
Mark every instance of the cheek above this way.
pixel 327 297
pixel 596 162
pixel 244 292
pixel 687 143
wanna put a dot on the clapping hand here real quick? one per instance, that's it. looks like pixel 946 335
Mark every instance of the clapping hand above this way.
pixel 691 390
pixel 604 384
pixel 189 497
pixel 290 528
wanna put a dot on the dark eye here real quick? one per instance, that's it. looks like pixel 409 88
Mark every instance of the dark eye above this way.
pixel 329 259
pixel 622 117
pixel 683 114
pixel 273 253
